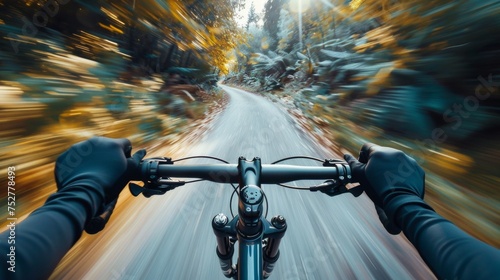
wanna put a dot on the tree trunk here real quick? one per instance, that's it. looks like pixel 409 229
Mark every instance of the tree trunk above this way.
pixel 187 60
pixel 168 58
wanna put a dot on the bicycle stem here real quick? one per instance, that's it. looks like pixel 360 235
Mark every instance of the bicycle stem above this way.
pixel 251 197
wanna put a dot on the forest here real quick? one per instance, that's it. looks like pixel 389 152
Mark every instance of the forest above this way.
pixel 422 76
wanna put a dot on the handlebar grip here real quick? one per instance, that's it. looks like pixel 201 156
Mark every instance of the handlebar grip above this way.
pixel 97 223
pixel 386 222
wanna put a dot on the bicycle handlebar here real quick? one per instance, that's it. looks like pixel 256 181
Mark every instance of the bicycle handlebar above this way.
pixel 228 173
pixel 156 174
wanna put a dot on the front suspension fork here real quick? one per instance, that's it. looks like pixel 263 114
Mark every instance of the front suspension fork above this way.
pixel 224 229
pixel 271 250
pixel 225 247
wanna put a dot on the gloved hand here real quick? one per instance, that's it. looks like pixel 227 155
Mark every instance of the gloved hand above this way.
pixel 390 178
pixel 100 163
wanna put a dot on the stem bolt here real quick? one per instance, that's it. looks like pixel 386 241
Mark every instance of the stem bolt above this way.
pixel 278 221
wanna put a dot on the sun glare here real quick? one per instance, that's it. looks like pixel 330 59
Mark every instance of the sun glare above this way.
pixel 299 6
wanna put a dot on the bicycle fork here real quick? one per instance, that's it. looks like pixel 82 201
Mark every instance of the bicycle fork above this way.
pixel 226 234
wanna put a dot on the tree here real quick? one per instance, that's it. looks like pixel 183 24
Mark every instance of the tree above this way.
pixel 288 34
pixel 253 17
pixel 271 19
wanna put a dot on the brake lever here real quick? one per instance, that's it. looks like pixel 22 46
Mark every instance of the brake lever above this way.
pixel 334 188
pixel 161 186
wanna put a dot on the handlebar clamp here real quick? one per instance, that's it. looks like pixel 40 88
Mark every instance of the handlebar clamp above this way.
pixel 337 186
pixel 150 167
pixel 343 169
pixel 154 184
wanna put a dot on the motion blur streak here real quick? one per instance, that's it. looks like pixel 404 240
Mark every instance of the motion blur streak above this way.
pixel 170 237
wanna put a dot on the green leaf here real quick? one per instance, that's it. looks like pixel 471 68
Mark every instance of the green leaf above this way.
pixel 302 56
pixel 335 54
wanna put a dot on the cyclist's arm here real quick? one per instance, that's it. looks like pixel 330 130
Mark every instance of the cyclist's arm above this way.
pixel 43 239
pixel 447 250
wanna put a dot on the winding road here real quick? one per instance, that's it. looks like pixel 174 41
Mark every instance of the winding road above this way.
pixel 170 237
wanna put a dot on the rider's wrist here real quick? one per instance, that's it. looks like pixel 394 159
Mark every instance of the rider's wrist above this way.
pixel 394 206
pixel 92 196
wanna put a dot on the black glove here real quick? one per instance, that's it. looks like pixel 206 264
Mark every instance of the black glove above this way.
pixel 390 178
pixel 100 163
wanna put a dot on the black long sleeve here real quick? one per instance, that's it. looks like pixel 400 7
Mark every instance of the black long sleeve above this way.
pixel 445 248
pixel 46 235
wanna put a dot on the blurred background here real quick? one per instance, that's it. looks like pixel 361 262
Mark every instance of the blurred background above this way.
pixel 420 76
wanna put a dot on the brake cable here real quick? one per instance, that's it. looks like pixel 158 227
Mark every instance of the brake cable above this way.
pixel 235 189
pixel 329 187
pixel 209 157
pixel 296 157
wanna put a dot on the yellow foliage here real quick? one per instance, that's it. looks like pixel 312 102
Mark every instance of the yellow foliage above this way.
pixel 397 18
pixel 355 4
pixel 111 28
pixel 437 46
pixel 379 81
pixel 453 162
pixel 399 63
pixel 205 27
